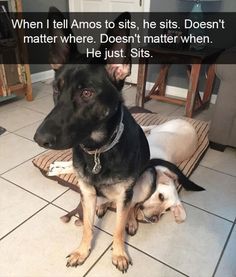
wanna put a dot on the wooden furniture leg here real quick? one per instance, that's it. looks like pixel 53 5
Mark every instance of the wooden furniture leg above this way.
pixel 141 84
pixel 193 101
pixel 158 91
pixel 28 94
pixel 159 87
pixel 192 91
pixel 162 85
pixel 28 85
pixel 209 84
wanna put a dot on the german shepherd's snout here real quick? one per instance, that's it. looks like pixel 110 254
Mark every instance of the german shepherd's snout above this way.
pixel 45 140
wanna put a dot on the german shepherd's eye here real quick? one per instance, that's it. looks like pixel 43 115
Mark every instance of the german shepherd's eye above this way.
pixel 161 197
pixel 86 94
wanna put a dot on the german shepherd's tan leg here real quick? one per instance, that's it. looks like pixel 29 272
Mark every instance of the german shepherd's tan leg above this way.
pixel 78 256
pixel 119 256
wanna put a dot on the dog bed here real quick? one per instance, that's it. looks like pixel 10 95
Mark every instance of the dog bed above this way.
pixel 43 161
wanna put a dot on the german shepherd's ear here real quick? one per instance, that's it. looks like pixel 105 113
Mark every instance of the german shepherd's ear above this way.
pixel 119 68
pixel 59 52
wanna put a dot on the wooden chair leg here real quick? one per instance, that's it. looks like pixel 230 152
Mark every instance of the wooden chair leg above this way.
pixel 159 84
pixel 192 91
pixel 209 83
pixel 24 53
pixel 162 86
pixel 29 95
pixel 141 84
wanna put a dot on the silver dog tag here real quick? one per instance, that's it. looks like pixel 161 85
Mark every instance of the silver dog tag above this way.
pixel 97 164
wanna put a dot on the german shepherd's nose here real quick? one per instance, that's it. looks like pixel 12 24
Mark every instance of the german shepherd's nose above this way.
pixel 45 140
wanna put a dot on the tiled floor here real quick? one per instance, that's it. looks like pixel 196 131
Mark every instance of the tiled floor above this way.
pixel 34 242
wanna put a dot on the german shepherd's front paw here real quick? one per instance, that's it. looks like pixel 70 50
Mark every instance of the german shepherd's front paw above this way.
pixel 121 262
pixel 77 258
pixel 132 227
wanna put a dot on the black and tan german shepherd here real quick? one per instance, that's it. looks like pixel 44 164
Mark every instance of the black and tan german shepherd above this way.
pixel 110 149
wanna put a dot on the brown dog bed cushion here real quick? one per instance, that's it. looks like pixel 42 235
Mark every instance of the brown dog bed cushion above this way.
pixel 43 161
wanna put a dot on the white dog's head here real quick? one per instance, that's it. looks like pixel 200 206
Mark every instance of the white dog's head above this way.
pixel 165 197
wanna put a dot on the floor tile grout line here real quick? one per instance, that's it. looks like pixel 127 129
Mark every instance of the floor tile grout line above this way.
pixel 10 132
pixel 48 203
pixel 32 193
pixel 150 256
pixel 28 108
pixel 61 208
pixel 33 110
pixel 24 106
pixel 108 233
pixel 216 170
pixel 211 213
pixel 26 190
pixel 44 82
pixel 224 248
pixel 59 195
pixel 30 159
pixel 99 258
pixel 41 97
pixel 172 113
pixel 24 221
pixel 28 125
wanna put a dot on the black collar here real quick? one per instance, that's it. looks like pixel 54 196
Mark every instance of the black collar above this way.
pixel 114 140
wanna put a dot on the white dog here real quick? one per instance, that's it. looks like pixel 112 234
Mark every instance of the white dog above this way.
pixel 173 141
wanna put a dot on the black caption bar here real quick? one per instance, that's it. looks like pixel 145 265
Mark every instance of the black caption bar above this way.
pixel 150 37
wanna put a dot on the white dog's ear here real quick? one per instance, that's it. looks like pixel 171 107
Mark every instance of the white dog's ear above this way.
pixel 163 178
pixel 171 175
pixel 179 213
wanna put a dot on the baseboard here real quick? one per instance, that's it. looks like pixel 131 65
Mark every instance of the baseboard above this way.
pixel 179 92
pixel 42 76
